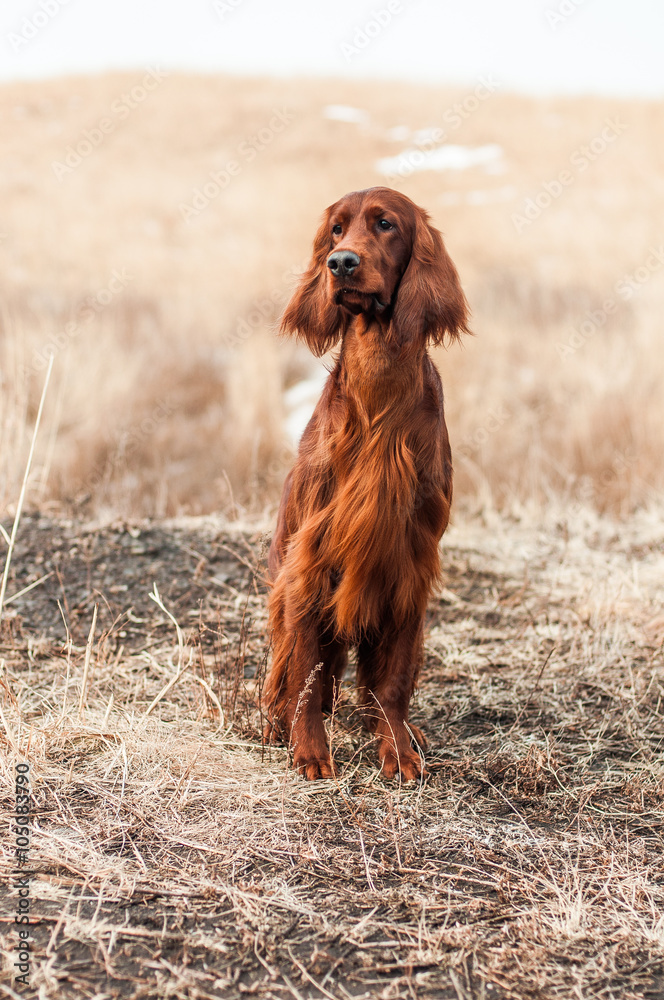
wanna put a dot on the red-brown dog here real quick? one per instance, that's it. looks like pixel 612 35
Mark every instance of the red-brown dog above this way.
pixel 355 553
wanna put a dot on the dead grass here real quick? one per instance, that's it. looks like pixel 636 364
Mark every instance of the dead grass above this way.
pixel 174 857
pixel 167 397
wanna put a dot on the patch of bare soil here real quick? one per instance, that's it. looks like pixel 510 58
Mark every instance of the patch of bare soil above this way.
pixel 174 857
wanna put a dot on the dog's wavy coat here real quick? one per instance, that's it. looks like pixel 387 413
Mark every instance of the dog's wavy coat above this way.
pixel 355 553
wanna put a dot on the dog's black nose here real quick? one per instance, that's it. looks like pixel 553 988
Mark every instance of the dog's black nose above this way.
pixel 342 263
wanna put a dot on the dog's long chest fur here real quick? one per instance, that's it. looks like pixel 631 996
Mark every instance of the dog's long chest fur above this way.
pixel 364 544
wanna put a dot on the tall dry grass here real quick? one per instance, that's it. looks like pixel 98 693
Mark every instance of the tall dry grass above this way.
pixel 168 382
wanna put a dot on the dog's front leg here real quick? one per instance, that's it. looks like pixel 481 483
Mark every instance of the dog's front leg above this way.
pixel 294 694
pixel 387 669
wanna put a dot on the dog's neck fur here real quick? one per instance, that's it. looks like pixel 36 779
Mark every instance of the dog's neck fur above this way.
pixel 377 373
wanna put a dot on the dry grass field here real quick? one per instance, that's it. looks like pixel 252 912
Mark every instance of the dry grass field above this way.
pixel 173 855
pixel 160 304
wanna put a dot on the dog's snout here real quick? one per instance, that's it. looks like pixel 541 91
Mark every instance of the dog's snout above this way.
pixel 342 263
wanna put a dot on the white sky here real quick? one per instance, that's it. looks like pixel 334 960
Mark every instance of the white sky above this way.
pixel 600 46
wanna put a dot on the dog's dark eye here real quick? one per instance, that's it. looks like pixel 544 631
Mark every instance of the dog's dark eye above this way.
pixel 336 229
pixel 384 224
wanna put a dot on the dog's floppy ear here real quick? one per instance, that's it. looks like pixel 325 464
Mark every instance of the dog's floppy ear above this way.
pixel 311 313
pixel 430 301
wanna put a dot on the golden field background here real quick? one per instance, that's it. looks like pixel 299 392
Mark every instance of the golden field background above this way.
pixel 167 389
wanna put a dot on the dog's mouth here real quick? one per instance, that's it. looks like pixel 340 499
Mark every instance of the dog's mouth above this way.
pixel 357 301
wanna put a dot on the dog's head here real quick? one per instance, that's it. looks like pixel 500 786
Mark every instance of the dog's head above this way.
pixel 377 254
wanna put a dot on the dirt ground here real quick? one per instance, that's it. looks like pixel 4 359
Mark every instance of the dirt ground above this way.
pixel 174 857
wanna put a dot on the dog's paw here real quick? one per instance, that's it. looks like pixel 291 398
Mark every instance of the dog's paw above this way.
pixel 405 762
pixel 417 735
pixel 314 767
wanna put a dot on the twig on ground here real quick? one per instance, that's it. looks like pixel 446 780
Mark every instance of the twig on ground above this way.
pixel 86 664
pixel 24 486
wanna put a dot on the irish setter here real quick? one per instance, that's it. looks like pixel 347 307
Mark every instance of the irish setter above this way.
pixel 355 553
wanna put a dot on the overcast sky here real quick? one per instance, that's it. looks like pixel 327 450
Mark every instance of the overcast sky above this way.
pixel 543 46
